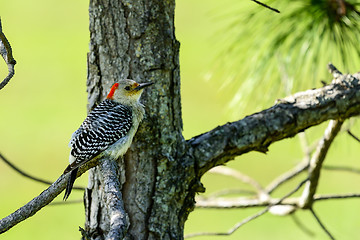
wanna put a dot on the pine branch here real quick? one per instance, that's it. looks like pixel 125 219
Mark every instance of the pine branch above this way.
pixel 289 116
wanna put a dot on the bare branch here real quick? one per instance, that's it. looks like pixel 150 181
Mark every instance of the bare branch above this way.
pixel 232 230
pixel 321 224
pixel 228 203
pixel 317 160
pixel 248 219
pixel 306 147
pixel 336 196
pixel 224 192
pixel 342 168
pixel 46 197
pixel 246 202
pixel 294 114
pixel 119 220
pixel 243 202
pixel 6 53
pixel 28 175
pixel 302 226
pixel 277 182
pixel 223 170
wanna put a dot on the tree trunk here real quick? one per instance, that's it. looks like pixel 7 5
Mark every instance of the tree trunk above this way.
pixel 136 40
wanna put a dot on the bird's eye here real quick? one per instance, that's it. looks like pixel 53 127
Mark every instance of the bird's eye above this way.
pixel 127 88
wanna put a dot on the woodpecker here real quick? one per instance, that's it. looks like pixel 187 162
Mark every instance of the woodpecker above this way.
pixel 109 128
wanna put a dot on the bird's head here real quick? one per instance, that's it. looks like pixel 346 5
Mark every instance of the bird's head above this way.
pixel 127 91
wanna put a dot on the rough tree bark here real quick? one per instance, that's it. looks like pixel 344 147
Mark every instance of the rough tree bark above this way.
pixel 136 40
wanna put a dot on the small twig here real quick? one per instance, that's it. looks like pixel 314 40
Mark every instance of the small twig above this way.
pixel 342 168
pixel 225 192
pixel 334 71
pixel 6 53
pixel 28 175
pixel 250 218
pixel 352 135
pixel 278 202
pixel 231 203
pixel 304 145
pixel 302 166
pixel 232 230
pixel 66 202
pixel 302 226
pixel 335 196
pixel 226 171
pixel 317 160
pixel 266 6
pixel 321 224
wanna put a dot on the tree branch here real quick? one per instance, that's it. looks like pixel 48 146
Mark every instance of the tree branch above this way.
pixel 28 175
pixel 335 196
pixel 301 226
pixel 289 116
pixel 321 224
pixel 250 218
pixel 317 160
pixel 46 197
pixel 248 202
pixel 277 182
pixel 34 205
pixel 225 192
pixel 119 220
pixel 6 53
pixel 226 171
pixel 342 168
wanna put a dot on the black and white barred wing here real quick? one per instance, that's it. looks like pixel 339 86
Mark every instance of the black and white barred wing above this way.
pixel 105 125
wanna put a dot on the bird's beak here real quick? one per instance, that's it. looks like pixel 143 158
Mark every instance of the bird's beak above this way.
pixel 143 85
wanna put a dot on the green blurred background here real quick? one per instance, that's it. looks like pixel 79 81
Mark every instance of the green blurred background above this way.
pixel 46 101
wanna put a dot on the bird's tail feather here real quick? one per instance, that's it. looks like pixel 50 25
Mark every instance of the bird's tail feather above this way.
pixel 70 183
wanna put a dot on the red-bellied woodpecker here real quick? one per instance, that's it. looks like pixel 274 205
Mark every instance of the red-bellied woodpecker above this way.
pixel 109 128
